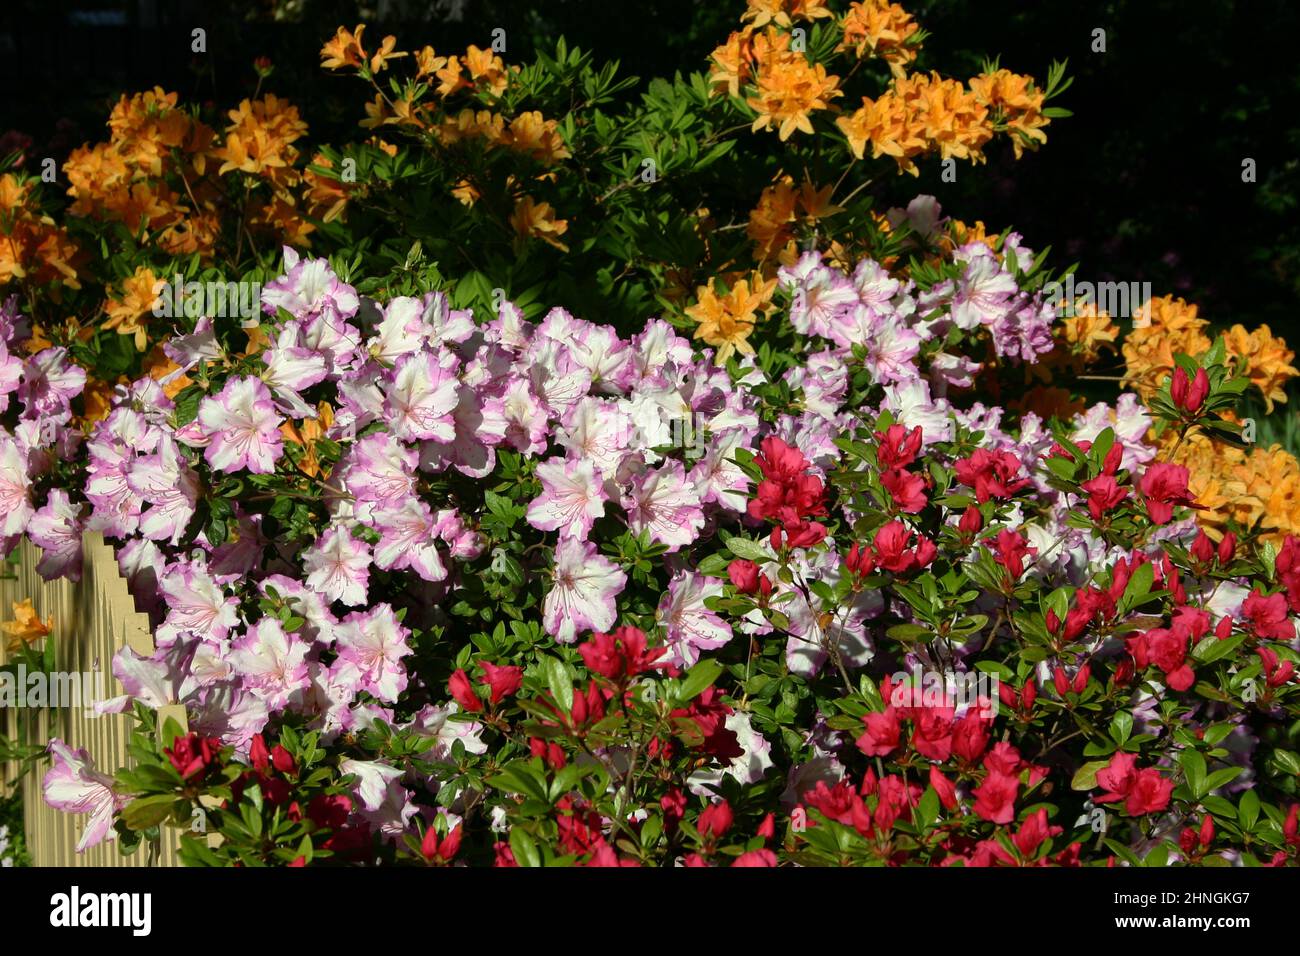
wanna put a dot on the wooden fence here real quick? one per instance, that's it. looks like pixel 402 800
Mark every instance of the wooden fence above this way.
pixel 93 619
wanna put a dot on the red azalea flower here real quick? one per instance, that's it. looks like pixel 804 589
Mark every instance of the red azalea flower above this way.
pixel 463 692
pixel 1104 493
pixel 1189 396
pixel 503 681
pixel 1163 486
pixel 991 473
pixel 192 755
pixel 1010 549
pixel 907 490
pixel 715 820
pixel 882 733
pixel 897 447
pixel 995 798
pixel 1267 616
pixel 620 654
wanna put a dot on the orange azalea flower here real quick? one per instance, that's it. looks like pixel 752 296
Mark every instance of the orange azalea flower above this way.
pixel 880 28
pixel 129 312
pixel 920 114
pixel 486 70
pixel 326 198
pixel 732 65
pixel 379 62
pixel 790 89
pixel 258 140
pixel 770 222
pixel 1149 349
pixel 307 435
pixel 466 192
pixel 157 365
pixel 468 124
pixel 816 203
pixel 344 49
pixel 539 138
pixel 725 321
pixel 538 220
pixel 97 400
pixel 27 626
pixel 783 12
pixel 1087 332
pixel 428 63
pixel 1017 103
pixel 1264 359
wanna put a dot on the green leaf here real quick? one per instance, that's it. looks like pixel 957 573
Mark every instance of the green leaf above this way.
pixel 146 812
pixel 524 847
pixel 1193 765
pixel 1248 809
pixel 750 550
pixel 1121 727
pixel 1085 778
pixel 702 675
pixel 1221 778
pixel 560 682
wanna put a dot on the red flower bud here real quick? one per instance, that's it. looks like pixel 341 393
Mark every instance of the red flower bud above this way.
pixel 1227 547
pixel 744 575
pixel 463 692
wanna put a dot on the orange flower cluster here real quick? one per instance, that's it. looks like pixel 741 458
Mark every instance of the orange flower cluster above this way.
pixel 1017 106
pixel 918 115
pixel 150 174
pixel 528 133
pixel 477 71
pixel 156 172
pixel 725 321
pixel 881 29
pixel 783 13
pixel 32 246
pixel 259 142
pixel 1232 484
pixel 1261 486
pixel 1170 326
pixel 781 208
pixel 1264 359
pixel 537 220
pixel 129 310
pixel 788 88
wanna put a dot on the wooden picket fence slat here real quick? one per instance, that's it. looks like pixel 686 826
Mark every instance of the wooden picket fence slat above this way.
pixel 93 619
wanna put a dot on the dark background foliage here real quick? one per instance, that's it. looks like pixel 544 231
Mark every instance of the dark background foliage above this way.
pixel 1143 183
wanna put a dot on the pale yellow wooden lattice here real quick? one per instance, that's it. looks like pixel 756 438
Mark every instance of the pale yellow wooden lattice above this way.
pixel 93 619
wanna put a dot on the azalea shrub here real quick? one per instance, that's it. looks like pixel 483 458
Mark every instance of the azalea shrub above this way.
pixel 612 481
pixel 440 588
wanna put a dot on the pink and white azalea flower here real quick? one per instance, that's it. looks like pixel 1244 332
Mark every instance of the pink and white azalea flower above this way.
pixel 664 503
pixel 582 597
pixel 72 784
pixel 338 566
pixel 572 498
pixel 371 645
pixel 424 393
pixel 271 662
pixel 244 427
pixel 689 626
